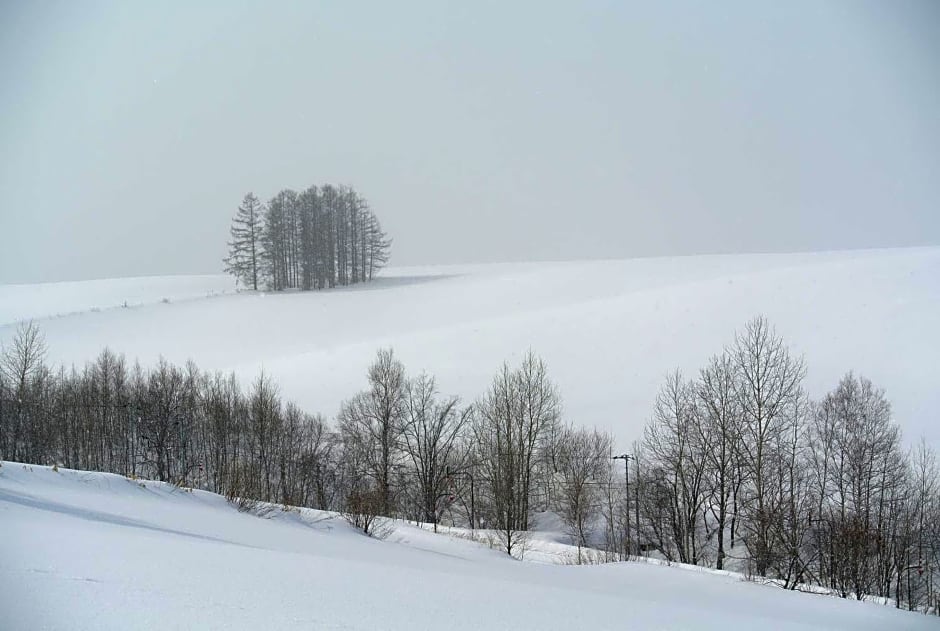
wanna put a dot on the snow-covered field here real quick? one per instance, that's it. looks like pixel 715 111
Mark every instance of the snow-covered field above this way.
pixel 99 551
pixel 609 330
pixel 56 300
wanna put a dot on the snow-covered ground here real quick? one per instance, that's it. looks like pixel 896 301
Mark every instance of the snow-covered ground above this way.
pixel 54 300
pixel 99 551
pixel 609 330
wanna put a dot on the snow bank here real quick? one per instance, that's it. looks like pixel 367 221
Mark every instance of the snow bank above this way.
pixel 98 551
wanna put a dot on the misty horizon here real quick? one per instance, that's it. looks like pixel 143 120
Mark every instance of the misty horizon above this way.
pixel 478 134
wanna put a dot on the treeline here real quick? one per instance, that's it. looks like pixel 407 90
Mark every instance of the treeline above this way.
pixel 739 464
pixel 321 237
pixel 737 468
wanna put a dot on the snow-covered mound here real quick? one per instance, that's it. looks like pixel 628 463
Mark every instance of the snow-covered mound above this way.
pixel 609 330
pixel 98 551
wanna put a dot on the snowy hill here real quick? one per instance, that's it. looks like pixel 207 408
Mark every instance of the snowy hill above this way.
pixel 98 551
pixel 52 300
pixel 609 330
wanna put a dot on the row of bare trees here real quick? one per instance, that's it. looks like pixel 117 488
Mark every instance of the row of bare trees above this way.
pixel 740 465
pixel 170 423
pixel 737 469
pixel 398 448
pixel 321 237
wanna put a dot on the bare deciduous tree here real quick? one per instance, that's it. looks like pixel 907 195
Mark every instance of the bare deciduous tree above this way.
pixel 372 423
pixel 720 435
pixel 675 443
pixel 768 379
pixel 22 370
pixel 511 421
pixel 431 433
pixel 583 458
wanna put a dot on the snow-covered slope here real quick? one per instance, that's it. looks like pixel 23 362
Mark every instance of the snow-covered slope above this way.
pixel 50 300
pixel 609 330
pixel 98 551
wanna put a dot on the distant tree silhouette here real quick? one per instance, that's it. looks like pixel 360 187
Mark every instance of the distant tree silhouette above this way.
pixel 323 237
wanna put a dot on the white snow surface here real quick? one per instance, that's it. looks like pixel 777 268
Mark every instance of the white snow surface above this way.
pixel 85 550
pixel 53 300
pixel 609 330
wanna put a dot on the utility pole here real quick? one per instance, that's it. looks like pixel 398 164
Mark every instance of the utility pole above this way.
pixel 473 514
pixel 626 478
pixel 636 506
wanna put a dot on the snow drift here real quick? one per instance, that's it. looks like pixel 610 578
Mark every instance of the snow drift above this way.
pixel 99 551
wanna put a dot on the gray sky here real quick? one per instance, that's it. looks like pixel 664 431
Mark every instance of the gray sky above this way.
pixel 479 132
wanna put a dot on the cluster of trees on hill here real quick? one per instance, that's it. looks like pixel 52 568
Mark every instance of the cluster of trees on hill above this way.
pixel 321 237
pixel 737 468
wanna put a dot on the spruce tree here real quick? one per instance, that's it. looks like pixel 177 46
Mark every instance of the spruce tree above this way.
pixel 244 250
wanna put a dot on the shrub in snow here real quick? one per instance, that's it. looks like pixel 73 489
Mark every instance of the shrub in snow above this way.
pixel 362 511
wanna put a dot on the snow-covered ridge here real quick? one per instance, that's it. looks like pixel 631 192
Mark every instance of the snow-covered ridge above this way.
pixel 86 550
pixel 50 300
pixel 609 330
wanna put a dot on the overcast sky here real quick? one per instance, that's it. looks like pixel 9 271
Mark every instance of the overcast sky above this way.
pixel 131 130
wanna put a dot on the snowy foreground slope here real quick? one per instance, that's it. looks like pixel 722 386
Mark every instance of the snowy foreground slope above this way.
pixel 609 330
pixel 98 551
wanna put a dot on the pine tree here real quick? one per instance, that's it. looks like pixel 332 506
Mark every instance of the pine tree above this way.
pixel 378 246
pixel 244 250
